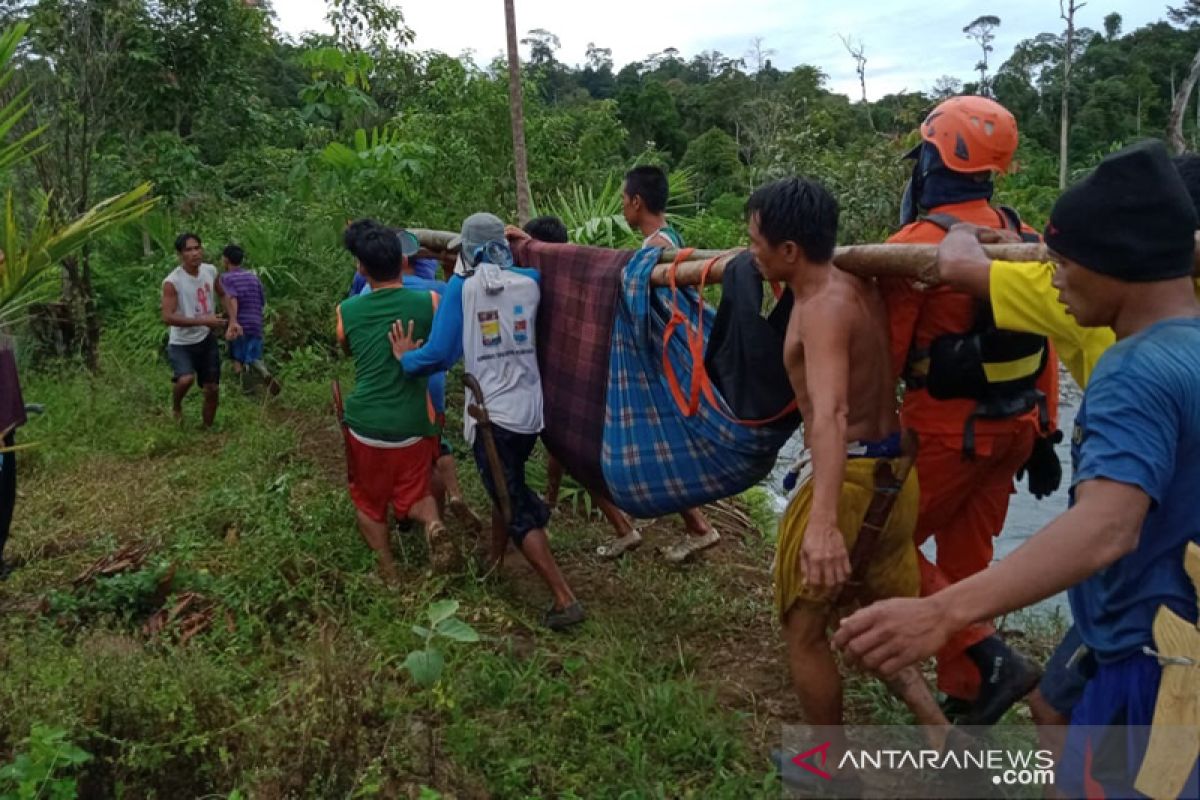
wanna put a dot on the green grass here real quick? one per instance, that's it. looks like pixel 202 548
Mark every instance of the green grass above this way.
pixel 676 686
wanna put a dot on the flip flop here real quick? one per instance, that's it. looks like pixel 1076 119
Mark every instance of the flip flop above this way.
pixel 678 553
pixel 619 547
pixel 442 553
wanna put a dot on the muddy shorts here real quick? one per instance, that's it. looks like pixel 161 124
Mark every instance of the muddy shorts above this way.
pixel 892 571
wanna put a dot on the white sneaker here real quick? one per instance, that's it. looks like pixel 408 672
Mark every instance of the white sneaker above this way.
pixel 691 544
pixel 619 547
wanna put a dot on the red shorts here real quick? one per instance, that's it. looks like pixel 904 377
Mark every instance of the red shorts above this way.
pixel 381 476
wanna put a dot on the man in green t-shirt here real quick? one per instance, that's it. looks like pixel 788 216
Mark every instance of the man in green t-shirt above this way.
pixel 389 421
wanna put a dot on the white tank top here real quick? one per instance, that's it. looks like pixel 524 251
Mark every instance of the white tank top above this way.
pixel 662 233
pixel 197 298
pixel 500 347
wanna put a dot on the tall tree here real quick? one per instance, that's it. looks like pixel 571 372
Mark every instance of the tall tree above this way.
pixel 982 30
pixel 597 75
pixel 36 237
pixel 1112 26
pixel 857 51
pixel 1067 9
pixel 516 103
pixel 757 55
pixel 78 45
pixel 373 25
pixel 946 86
pixel 1187 14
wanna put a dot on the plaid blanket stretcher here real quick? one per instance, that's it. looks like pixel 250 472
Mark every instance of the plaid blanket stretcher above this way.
pixel 656 461
pixel 580 289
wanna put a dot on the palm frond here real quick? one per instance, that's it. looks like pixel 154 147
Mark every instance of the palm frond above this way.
pixel 595 218
pixel 592 218
pixel 30 255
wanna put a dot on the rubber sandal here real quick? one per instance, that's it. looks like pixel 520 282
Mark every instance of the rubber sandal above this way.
pixel 619 547
pixel 678 553
pixel 442 553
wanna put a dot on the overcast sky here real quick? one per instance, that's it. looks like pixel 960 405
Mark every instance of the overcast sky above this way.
pixel 909 44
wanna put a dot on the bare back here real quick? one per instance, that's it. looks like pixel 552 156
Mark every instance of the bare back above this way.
pixel 845 314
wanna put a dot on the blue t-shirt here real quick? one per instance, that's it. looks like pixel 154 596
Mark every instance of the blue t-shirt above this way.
pixel 1140 425
pixel 424 268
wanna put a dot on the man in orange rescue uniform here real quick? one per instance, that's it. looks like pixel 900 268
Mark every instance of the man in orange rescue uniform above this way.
pixel 983 401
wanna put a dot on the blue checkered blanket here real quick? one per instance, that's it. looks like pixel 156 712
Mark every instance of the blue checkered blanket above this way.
pixel 656 461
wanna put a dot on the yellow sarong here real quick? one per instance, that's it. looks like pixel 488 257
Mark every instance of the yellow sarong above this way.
pixel 892 570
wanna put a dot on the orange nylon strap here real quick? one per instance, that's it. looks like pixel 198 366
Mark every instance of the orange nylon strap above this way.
pixel 688 405
pixel 700 383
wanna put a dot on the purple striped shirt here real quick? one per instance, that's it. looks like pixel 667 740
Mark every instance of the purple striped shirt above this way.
pixel 248 290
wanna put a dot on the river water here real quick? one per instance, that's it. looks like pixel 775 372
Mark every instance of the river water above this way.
pixel 1026 514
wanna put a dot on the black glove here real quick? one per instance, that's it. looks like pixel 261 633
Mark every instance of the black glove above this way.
pixel 1043 466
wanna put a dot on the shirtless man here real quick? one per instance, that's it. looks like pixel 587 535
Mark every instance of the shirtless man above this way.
pixel 836 355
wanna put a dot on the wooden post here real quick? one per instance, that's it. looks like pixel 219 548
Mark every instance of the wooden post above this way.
pixel 516 106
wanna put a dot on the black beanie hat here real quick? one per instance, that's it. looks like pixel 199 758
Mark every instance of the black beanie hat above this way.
pixel 1132 218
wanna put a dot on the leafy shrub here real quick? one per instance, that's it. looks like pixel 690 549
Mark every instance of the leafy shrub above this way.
pixel 43 769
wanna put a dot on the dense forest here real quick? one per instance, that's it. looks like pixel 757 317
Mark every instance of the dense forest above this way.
pixel 193 613
pixel 248 134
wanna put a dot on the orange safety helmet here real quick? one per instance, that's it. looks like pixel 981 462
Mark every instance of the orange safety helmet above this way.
pixel 972 134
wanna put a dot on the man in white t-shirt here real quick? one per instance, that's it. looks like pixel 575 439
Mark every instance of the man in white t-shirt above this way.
pixel 189 308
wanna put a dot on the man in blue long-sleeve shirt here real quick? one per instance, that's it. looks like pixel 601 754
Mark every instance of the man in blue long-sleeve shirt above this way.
pixel 488 316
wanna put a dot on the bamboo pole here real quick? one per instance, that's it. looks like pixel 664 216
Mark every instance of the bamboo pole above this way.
pixel 914 261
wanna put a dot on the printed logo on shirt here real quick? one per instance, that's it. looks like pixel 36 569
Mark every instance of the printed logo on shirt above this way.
pixel 520 326
pixel 202 300
pixel 489 327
